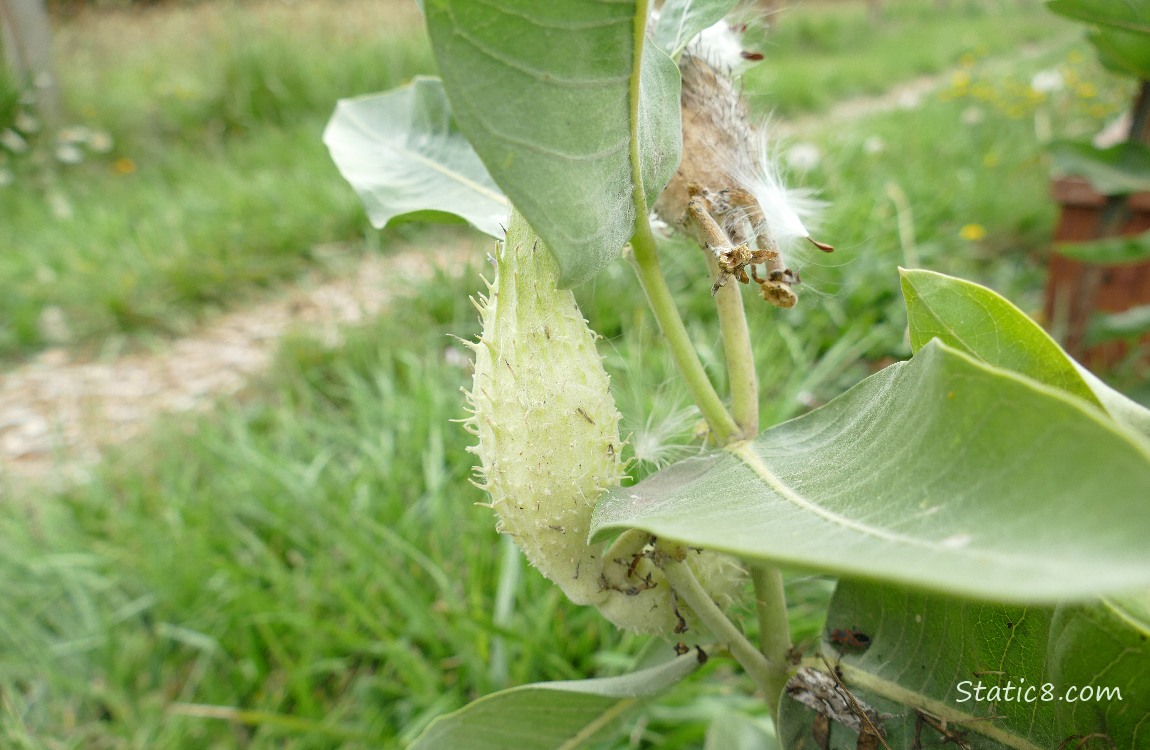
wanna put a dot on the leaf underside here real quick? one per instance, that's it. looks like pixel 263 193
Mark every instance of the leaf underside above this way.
pixel 1117 170
pixel 680 21
pixel 979 322
pixel 940 473
pixel 1127 15
pixel 405 158
pixel 550 715
pixel 543 92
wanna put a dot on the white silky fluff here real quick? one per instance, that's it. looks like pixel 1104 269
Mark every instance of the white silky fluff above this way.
pixel 787 210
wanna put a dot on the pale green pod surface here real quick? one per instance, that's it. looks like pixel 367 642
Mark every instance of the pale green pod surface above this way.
pixel 549 445
pixel 547 426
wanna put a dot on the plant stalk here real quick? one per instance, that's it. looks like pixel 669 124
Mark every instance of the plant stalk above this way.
pixel 646 261
pixel 774 629
pixel 757 665
pixel 722 425
pixel 766 667
pixel 744 382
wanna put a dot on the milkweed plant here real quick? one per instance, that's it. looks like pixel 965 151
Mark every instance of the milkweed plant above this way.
pixel 984 506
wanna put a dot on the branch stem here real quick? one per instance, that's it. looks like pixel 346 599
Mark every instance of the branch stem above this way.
pixel 766 667
pixel 646 261
pixel 722 425
pixel 774 629
pixel 690 591
pixel 744 382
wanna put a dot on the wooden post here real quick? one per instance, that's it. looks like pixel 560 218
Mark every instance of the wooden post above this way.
pixel 1075 290
pixel 27 40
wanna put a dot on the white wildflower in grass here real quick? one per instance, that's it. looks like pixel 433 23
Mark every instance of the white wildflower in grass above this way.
pixel 69 153
pixel 1047 81
pixel 26 123
pixel 972 115
pixel 100 141
pixel 74 134
pixel 874 145
pixel 13 141
pixel 909 100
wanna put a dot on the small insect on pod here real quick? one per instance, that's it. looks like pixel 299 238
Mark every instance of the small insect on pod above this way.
pixel 850 639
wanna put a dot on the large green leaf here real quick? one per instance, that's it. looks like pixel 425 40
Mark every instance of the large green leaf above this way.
pixel 731 730
pixel 1123 52
pixel 680 21
pixel 405 158
pixel 1118 170
pixel 551 715
pixel 941 473
pixel 976 320
pixel 660 129
pixel 1130 15
pixel 544 92
pixel 1109 251
pixel 1105 647
pixel 933 653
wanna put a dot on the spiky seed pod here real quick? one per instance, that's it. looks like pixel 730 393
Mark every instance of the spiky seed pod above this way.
pixel 547 426
pixel 548 444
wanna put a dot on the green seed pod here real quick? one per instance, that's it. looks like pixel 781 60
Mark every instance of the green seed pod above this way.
pixel 548 441
pixel 547 426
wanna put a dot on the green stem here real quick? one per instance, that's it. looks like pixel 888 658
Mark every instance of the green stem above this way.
pixel 689 590
pixel 722 425
pixel 740 357
pixel 646 261
pixel 774 629
pixel 767 667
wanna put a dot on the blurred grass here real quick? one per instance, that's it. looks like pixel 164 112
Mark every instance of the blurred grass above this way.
pixel 820 53
pixel 304 568
pixel 217 182
pixel 204 71
pixel 308 562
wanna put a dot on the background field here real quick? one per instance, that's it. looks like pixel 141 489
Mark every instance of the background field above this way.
pixel 304 567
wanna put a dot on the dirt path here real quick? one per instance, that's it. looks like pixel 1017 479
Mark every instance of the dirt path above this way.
pixel 58 414
pixel 906 95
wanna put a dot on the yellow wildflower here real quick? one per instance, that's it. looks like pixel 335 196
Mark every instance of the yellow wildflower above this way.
pixel 972 232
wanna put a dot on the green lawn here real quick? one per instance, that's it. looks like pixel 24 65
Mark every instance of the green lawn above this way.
pixel 306 567
pixel 821 53
pixel 216 183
